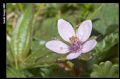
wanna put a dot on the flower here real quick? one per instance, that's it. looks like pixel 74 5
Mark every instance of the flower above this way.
pixel 78 40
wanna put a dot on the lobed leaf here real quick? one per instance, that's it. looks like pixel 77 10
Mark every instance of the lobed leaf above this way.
pixel 104 69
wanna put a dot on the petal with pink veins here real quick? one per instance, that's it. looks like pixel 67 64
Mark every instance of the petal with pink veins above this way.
pixel 65 30
pixel 57 46
pixel 84 30
pixel 72 55
pixel 89 45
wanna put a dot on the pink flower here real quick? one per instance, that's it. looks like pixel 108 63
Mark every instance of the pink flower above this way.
pixel 78 42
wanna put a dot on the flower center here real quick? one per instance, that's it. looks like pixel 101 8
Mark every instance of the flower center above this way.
pixel 76 45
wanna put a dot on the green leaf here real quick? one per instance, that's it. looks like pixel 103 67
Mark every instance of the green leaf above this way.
pixel 13 73
pixel 21 37
pixel 105 69
pixel 47 29
pixel 101 50
pixel 40 57
pixel 10 56
pixel 44 72
pixel 108 16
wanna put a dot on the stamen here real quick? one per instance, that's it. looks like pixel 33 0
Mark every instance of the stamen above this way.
pixel 76 47
pixel 73 40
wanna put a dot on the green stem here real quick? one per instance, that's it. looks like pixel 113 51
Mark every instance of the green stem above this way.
pixel 39 11
pixel 95 12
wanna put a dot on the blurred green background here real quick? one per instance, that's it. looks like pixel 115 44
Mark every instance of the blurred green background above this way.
pixel 39 25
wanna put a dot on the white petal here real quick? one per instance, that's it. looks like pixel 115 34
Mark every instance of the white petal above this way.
pixel 89 45
pixel 65 30
pixel 73 55
pixel 84 30
pixel 57 46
